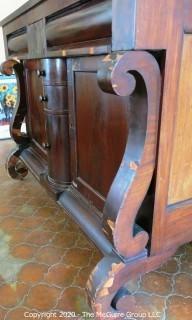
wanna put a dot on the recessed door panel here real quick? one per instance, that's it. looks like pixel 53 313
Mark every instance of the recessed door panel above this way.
pixel 99 129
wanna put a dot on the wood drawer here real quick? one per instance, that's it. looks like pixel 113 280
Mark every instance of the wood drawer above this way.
pixel 54 71
pixel 17 42
pixel 82 24
pixel 36 116
pixel 56 98
pixel 90 23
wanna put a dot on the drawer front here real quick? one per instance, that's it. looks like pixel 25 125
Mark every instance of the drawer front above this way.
pixel 91 22
pixel 36 115
pixel 55 71
pixel 56 98
pixel 57 28
pixel 17 42
pixel 58 152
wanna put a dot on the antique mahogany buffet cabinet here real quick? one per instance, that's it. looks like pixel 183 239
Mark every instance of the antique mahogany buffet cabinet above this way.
pixel 105 89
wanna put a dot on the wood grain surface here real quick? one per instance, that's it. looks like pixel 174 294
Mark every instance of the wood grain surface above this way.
pixel 180 185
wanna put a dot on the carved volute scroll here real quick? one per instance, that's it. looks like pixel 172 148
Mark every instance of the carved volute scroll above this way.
pixel 106 286
pixel 135 74
pixel 20 110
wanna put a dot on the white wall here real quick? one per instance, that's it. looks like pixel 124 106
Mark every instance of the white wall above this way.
pixel 7 7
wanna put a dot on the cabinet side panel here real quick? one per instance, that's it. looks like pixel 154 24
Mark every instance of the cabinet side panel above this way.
pixel 180 185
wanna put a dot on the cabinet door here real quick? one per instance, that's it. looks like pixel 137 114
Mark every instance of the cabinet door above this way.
pixel 98 130
pixel 36 115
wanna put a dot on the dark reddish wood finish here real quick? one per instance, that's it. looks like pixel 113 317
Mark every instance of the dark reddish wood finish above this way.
pixel 17 43
pixel 107 96
pixel 88 24
pixel 54 75
pixel 34 87
pixel 98 121
pixel 106 286
pixel 128 72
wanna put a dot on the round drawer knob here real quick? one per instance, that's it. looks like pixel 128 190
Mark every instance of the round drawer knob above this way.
pixel 43 98
pixel 46 145
pixel 41 73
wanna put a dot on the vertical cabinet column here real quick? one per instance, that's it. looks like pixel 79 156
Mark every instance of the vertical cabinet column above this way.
pixel 54 75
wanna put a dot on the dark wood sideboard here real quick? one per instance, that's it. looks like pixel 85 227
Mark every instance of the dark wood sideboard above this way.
pixel 105 91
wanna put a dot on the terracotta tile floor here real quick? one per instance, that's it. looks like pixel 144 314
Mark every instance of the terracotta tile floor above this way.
pixel 45 259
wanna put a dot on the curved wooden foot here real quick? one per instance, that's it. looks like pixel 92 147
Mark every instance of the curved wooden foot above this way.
pixel 15 166
pixel 106 286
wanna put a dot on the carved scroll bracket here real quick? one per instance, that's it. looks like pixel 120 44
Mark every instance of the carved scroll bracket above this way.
pixel 106 286
pixel 135 74
pixel 20 109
